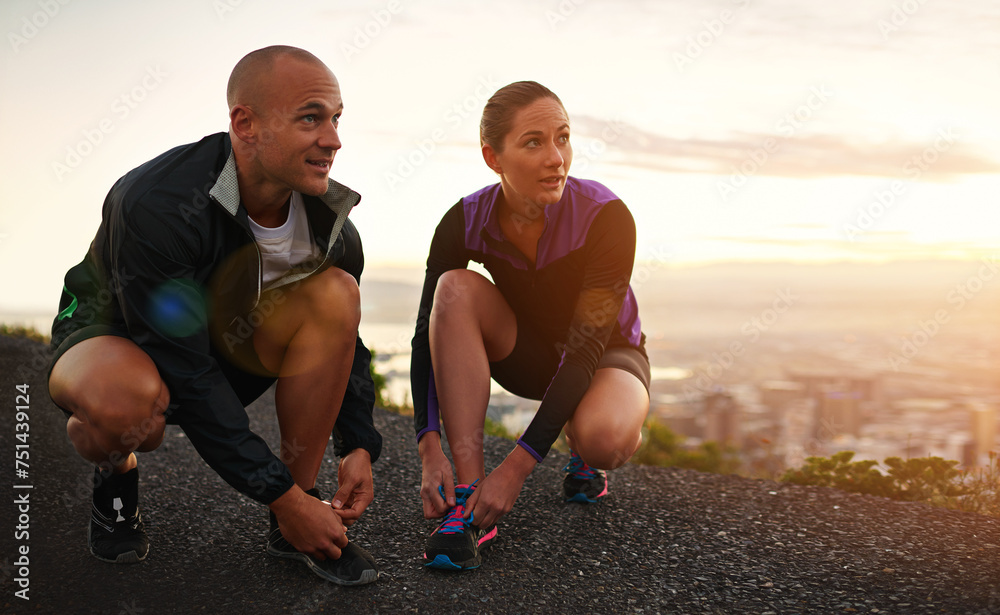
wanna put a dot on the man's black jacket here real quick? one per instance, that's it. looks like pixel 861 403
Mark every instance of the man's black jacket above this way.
pixel 175 262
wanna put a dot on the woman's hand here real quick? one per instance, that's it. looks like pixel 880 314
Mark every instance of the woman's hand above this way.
pixel 437 472
pixel 495 495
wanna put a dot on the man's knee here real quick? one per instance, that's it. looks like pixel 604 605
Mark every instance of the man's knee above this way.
pixel 333 297
pixel 129 405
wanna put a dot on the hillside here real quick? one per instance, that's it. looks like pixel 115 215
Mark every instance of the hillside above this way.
pixel 663 541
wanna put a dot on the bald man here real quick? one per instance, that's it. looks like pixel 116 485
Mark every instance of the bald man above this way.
pixel 220 268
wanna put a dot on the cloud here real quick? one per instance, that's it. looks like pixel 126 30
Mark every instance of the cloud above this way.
pixel 884 245
pixel 796 156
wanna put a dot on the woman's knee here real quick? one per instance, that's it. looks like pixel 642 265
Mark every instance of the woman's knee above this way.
pixel 607 453
pixel 459 287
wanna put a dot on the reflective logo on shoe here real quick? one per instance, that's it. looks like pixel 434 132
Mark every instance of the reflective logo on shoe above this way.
pixel 118 506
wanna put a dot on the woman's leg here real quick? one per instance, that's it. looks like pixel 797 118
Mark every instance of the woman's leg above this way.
pixel 606 429
pixel 471 325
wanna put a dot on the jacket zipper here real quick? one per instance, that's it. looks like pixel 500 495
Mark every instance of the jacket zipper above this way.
pixel 260 262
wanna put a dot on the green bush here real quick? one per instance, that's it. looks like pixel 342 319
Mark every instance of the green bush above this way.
pixel 924 479
pixel 841 473
pixel 20 331
pixel 496 428
pixel 380 396
pixel 982 489
pixel 662 447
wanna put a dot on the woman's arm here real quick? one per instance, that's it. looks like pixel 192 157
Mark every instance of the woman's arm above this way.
pixel 610 254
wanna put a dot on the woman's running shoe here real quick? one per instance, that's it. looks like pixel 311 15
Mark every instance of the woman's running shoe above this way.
pixel 583 483
pixel 457 544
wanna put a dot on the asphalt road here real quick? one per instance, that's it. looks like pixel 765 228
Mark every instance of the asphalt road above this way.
pixel 663 541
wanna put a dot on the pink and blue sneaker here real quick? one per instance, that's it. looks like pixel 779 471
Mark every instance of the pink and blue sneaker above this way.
pixel 457 544
pixel 583 483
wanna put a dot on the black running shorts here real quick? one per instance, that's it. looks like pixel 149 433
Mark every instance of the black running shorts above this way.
pixel 528 370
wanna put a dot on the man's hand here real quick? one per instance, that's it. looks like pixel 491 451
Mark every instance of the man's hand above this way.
pixel 310 525
pixel 356 489
pixel 436 473
pixel 495 495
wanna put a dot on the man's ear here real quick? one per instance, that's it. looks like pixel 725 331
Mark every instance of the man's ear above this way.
pixel 244 123
pixel 490 156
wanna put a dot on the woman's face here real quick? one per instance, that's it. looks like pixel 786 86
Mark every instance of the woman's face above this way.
pixel 535 159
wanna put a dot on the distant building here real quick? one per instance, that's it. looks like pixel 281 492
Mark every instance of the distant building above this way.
pixel 838 413
pixel 840 396
pixel 722 419
pixel 778 394
pixel 866 385
pixel 678 412
pixel 983 425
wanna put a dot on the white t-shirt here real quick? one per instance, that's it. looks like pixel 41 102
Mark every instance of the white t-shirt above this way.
pixel 288 245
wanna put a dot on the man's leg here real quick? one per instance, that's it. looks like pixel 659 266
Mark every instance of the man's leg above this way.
pixel 309 342
pixel 116 397
pixel 117 402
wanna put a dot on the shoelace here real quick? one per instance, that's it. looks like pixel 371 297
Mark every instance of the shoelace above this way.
pixel 578 469
pixel 454 521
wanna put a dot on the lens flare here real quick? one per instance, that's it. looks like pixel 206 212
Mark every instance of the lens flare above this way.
pixel 177 308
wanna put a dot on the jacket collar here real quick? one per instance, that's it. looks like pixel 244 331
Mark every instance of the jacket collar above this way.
pixel 339 198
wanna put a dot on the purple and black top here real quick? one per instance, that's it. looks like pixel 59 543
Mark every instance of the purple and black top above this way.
pixel 576 294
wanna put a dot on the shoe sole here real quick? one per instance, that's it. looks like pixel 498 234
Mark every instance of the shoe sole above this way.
pixel 129 557
pixel 368 576
pixel 443 562
pixel 582 498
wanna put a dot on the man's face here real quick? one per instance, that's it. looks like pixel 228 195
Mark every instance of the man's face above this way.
pixel 298 126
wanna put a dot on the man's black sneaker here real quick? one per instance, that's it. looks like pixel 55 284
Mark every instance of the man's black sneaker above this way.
pixel 116 533
pixel 457 544
pixel 355 566
pixel 583 483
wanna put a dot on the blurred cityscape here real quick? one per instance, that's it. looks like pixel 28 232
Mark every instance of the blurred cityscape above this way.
pixel 784 362
pixel 781 361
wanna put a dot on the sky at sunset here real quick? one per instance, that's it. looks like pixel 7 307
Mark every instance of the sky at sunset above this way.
pixel 746 130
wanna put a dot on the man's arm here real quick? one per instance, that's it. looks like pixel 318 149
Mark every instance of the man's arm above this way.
pixel 154 258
